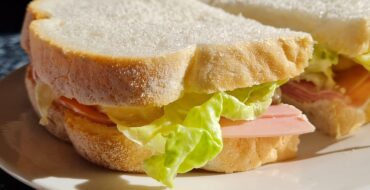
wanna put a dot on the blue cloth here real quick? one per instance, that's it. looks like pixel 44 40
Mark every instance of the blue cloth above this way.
pixel 12 55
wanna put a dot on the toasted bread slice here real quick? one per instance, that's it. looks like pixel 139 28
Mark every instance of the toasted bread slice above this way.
pixel 150 52
pixel 343 26
pixel 106 146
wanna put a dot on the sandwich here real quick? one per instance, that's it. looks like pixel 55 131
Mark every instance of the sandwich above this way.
pixel 334 89
pixel 163 87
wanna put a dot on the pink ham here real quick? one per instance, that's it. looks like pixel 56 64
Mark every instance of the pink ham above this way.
pixel 278 120
pixel 281 110
pixel 307 92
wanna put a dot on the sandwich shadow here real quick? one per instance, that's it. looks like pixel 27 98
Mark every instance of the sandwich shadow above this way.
pixel 311 145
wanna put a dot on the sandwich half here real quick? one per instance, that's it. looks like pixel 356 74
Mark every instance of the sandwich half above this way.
pixel 164 86
pixel 334 89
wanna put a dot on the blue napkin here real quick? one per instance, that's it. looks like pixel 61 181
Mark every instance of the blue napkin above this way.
pixel 12 55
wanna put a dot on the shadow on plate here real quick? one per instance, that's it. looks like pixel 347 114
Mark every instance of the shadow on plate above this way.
pixel 312 143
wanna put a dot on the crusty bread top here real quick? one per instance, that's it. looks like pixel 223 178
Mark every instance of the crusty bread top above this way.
pixel 343 25
pixel 125 28
pixel 121 52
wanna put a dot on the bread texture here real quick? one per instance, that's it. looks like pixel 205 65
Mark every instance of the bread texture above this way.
pixel 106 146
pixel 341 25
pixel 140 52
pixel 245 154
pixel 333 117
pixel 367 111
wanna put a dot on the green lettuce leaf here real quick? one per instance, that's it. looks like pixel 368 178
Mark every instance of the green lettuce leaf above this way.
pixel 364 60
pixel 188 134
pixel 320 70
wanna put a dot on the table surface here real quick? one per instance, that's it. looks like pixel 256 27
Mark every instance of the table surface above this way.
pixel 12 57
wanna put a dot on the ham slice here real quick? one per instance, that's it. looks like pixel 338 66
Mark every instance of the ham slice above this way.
pixel 278 120
pixel 307 92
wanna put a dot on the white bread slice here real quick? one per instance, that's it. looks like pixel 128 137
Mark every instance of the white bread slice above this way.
pixel 122 52
pixel 106 146
pixel 342 25
pixel 333 117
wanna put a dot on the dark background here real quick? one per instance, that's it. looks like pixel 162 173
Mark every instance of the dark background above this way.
pixel 11 18
pixel 11 15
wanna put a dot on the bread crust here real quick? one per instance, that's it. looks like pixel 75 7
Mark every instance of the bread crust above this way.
pixel 106 146
pixel 161 79
pixel 249 153
pixel 344 34
pixel 333 117
pixel 31 14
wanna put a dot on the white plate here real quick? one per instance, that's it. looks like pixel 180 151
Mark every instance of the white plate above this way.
pixel 30 154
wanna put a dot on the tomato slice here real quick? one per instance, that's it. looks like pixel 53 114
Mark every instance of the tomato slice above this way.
pixel 90 112
pixel 356 81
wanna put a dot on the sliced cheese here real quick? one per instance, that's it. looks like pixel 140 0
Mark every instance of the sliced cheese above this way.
pixel 44 96
pixel 132 115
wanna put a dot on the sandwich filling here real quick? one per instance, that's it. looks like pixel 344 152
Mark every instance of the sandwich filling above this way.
pixel 330 76
pixel 188 133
